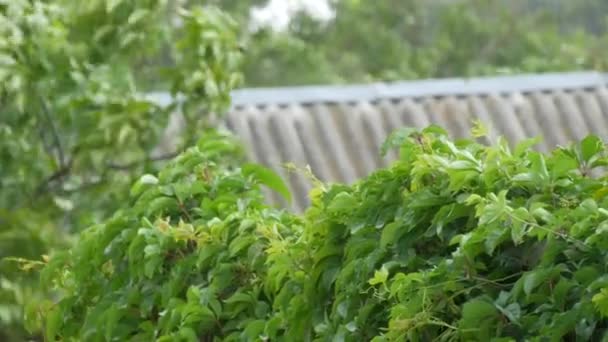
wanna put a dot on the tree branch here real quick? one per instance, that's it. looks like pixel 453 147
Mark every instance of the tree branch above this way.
pixel 47 147
pixel 66 169
pixel 128 166
pixel 54 133
pixel 85 186
pixel 63 171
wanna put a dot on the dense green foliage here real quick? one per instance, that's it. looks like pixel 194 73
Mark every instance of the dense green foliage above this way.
pixel 423 249
pixel 454 241
pixel 75 131
pixel 163 276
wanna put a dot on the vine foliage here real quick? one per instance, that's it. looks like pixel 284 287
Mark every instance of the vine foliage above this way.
pixel 456 241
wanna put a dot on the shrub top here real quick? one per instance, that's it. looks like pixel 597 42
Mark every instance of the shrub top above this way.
pixel 455 241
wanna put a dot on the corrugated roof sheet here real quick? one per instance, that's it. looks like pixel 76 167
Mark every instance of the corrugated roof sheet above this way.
pixel 338 130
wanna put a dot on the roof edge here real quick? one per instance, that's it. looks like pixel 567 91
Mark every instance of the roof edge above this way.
pixel 417 88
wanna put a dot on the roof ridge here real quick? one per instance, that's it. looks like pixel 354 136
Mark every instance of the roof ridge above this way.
pixel 414 88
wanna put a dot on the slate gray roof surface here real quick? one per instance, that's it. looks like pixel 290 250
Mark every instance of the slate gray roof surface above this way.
pixel 338 130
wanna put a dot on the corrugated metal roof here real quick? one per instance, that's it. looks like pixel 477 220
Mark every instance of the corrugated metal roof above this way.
pixel 338 130
pixel 418 88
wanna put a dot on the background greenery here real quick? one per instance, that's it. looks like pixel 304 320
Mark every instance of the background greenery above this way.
pixel 371 41
pixel 75 132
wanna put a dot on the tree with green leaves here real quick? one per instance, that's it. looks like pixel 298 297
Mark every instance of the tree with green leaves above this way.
pixel 75 128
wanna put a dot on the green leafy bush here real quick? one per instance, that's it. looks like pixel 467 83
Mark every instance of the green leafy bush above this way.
pixel 188 257
pixel 75 130
pixel 459 241
pixel 454 241
pixel 450 234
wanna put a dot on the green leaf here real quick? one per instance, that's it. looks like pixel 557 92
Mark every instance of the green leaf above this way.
pixel 254 330
pixel 111 317
pixel 560 292
pixel 531 280
pixel 525 145
pixel 342 202
pixel 495 210
pixel 479 129
pixel 542 214
pixel 473 199
pixel 239 297
pixel 380 277
pixel 396 139
pixel 272 327
pixel 144 182
pixel 217 146
pixel 240 243
pixel 519 224
pixel 539 167
pixel 562 323
pixel 448 214
pixel 162 205
pixel 523 177
pixel 512 312
pixel 600 300
pixel 188 334
pixel 389 233
pixel 562 165
pixel 435 129
pixel 268 178
pixel 590 147
pixel 586 274
pixel 211 88
pixel 518 231
pixel 495 235
pixel 53 323
pixel 193 294
pixel 478 316
pixel 151 265
pixel 112 4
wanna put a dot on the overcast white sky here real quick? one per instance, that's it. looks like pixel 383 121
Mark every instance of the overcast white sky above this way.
pixel 278 12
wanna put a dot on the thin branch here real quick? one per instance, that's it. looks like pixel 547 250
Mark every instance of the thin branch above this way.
pixel 57 175
pixel 84 186
pixel 47 147
pixel 131 165
pixel 66 169
pixel 55 134
pixel 63 171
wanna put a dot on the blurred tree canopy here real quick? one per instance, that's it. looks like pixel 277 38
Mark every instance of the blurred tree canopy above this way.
pixel 409 39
